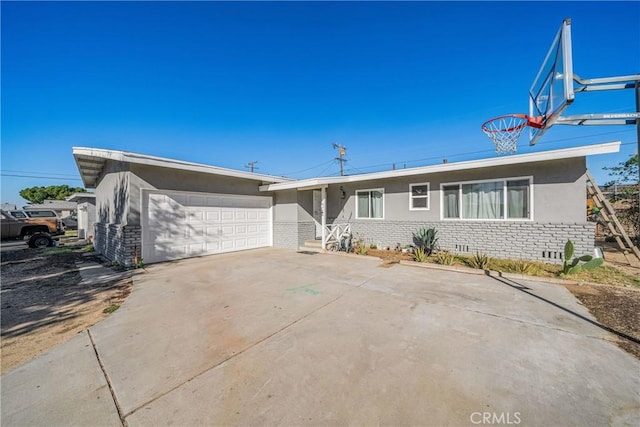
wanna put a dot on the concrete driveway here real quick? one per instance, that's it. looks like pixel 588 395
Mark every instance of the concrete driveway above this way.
pixel 274 337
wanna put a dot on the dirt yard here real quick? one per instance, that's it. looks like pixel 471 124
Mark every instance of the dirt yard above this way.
pixel 43 302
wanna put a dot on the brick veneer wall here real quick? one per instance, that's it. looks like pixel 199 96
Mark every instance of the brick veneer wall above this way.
pixel 306 231
pixel 292 234
pixel 285 234
pixel 118 242
pixel 510 240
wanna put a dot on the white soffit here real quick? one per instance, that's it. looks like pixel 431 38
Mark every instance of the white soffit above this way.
pixel 91 161
pixel 542 156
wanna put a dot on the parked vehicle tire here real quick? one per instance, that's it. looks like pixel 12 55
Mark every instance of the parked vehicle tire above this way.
pixel 40 241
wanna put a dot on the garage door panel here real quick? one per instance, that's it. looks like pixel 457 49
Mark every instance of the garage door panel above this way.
pixel 213 247
pixel 226 230
pixel 196 249
pixel 195 232
pixel 178 224
pixel 226 216
pixel 213 216
pixel 195 216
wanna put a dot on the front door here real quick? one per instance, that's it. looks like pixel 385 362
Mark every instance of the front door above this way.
pixel 317 212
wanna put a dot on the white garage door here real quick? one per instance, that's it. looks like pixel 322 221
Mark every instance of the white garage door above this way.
pixel 177 224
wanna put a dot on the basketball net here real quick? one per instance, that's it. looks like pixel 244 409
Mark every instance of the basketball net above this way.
pixel 504 131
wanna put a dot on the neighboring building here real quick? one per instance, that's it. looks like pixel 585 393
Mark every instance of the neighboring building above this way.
pixel 8 207
pixel 86 214
pixel 62 208
pixel 522 206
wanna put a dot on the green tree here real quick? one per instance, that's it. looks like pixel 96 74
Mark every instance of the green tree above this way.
pixel 52 192
pixel 627 173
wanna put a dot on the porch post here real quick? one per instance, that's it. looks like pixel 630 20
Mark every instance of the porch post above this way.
pixel 323 208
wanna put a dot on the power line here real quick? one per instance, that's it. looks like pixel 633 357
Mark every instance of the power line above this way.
pixel 41 177
pixel 325 169
pixel 308 169
pixel 251 165
pixel 48 173
pixel 490 150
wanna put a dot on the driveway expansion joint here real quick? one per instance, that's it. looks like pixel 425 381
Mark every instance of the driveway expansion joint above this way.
pixel 242 351
pixel 107 379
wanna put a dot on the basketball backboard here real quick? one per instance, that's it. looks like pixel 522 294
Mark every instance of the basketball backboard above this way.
pixel 552 90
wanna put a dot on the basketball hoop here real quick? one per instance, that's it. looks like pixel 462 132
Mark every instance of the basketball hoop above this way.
pixel 505 130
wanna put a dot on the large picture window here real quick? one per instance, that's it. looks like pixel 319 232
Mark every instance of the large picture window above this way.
pixel 419 199
pixel 508 199
pixel 370 204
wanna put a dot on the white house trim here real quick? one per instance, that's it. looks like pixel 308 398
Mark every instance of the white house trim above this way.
pixel 90 162
pixel 504 199
pixel 428 196
pixel 370 190
pixel 564 153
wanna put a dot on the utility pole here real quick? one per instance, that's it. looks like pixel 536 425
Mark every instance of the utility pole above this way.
pixel 251 165
pixel 341 151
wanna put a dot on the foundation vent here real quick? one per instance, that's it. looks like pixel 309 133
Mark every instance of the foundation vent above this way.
pixel 552 254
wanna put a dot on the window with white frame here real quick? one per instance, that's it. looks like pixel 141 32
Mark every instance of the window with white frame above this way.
pixel 508 199
pixel 419 198
pixel 370 204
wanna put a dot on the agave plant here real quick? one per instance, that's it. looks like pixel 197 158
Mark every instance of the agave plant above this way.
pixel 445 258
pixel 481 261
pixel 427 239
pixel 419 255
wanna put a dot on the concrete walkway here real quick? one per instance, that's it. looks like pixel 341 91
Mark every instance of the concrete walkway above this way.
pixel 95 274
pixel 274 337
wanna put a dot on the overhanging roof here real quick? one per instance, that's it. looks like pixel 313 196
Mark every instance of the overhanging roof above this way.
pixel 52 204
pixel 91 161
pixel 564 153
pixel 76 197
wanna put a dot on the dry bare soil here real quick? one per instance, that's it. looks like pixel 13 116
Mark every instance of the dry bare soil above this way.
pixel 43 301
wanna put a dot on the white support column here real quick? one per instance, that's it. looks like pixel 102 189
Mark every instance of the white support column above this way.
pixel 323 207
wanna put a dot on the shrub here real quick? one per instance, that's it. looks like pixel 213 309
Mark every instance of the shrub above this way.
pixel 357 245
pixel 445 258
pixel 427 239
pixel 480 261
pixel 419 255
pixel 373 246
pixel 361 250
pixel 522 267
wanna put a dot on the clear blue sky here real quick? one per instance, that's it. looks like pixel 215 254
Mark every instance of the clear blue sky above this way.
pixel 229 83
